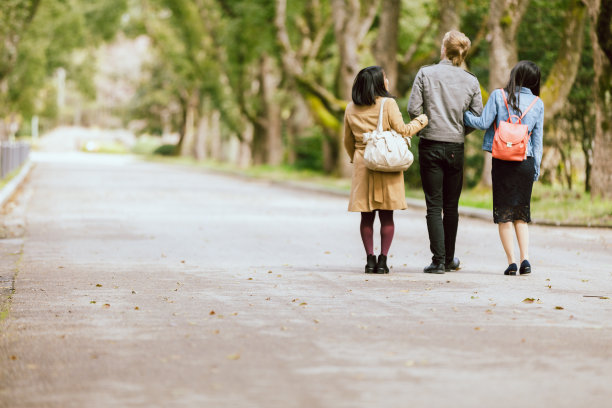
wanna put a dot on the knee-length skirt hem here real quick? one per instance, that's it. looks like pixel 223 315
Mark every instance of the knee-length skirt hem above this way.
pixel 512 188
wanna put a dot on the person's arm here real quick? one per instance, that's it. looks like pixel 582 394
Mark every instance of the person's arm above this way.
pixel 475 106
pixel 349 139
pixel 537 141
pixel 396 121
pixel 489 113
pixel 415 102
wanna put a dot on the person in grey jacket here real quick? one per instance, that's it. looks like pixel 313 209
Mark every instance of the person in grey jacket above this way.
pixel 443 92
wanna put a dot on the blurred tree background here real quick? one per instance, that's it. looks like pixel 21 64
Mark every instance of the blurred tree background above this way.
pixel 265 82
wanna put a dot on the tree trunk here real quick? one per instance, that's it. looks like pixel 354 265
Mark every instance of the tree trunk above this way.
pixel 350 27
pixel 504 19
pixel 201 138
pixel 272 111
pixel 187 145
pixel 561 78
pixel 216 145
pixel 450 18
pixel 245 154
pixel 385 47
pixel 601 172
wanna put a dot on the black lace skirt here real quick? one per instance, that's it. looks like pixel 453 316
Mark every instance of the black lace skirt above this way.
pixel 512 186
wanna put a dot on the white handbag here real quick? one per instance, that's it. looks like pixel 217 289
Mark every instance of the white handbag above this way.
pixel 386 150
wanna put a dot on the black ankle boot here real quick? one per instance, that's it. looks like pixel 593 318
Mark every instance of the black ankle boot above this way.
pixel 381 265
pixel 371 264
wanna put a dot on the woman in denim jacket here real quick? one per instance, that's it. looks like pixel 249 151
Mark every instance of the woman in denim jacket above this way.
pixel 513 180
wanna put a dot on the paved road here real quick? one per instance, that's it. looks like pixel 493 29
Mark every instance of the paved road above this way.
pixel 144 285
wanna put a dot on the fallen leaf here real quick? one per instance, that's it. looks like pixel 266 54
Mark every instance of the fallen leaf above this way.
pixel 327 252
pixel 455 309
pixel 409 363
pixel 549 286
pixel 267 298
pixel 212 312
pixel 98 285
pixel 477 328
pixel 528 300
pixel 269 271
pixel 250 279
pixel 489 311
pixel 136 308
pixel 585 280
pixel 235 314
pixel 234 356
pixel 13 357
pixel 303 304
pixel 404 290
pixel 216 332
pixel 316 321
pixel 284 328
pixel 133 292
pixel 547 279
pixel 604 297
pixel 106 305
pixel 474 297
pixel 92 301
pixel 183 261
pixel 559 307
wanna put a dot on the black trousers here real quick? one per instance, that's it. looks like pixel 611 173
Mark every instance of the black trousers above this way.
pixel 442 177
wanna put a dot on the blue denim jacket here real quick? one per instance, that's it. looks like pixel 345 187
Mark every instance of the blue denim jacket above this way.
pixel 495 110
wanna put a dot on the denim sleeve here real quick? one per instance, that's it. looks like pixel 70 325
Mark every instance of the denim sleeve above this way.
pixel 415 103
pixel 488 114
pixel 475 106
pixel 537 140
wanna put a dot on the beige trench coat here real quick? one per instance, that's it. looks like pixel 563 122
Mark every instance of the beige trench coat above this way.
pixel 375 190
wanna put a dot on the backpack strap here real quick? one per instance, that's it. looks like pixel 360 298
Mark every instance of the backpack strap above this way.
pixel 530 106
pixel 505 101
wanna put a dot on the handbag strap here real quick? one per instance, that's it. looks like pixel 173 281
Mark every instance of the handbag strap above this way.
pixel 380 116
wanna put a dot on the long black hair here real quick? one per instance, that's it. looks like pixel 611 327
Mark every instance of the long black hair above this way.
pixel 524 74
pixel 369 83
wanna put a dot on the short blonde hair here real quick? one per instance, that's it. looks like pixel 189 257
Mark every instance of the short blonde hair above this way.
pixel 456 46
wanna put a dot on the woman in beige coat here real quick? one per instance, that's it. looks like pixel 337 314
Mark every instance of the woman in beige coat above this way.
pixel 373 191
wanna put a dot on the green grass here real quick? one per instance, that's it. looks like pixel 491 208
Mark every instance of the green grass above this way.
pixel 9 177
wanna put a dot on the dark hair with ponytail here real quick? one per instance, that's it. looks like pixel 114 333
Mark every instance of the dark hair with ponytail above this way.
pixel 369 83
pixel 524 74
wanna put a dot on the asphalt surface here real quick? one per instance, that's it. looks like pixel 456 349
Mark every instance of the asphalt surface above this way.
pixel 146 285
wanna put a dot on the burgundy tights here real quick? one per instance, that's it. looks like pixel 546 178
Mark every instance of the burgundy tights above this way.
pixel 387 228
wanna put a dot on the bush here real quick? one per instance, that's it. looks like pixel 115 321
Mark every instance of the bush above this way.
pixel 166 150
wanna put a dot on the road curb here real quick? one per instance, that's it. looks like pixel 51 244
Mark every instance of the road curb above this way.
pixel 9 189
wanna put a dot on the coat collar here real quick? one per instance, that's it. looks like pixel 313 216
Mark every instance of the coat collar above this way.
pixel 525 90
pixel 446 62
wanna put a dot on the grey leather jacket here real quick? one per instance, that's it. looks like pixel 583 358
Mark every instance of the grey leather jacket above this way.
pixel 443 92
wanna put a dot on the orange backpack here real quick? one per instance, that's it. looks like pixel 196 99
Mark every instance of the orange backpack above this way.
pixel 510 139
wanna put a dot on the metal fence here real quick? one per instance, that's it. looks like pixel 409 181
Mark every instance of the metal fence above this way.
pixel 12 155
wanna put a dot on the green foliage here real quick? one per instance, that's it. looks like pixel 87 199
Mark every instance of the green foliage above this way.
pixel 166 150
pixel 309 150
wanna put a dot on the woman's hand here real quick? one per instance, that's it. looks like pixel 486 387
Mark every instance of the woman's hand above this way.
pixel 423 119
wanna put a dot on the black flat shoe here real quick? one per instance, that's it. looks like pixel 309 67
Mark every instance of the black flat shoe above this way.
pixel 525 267
pixel 381 266
pixel 511 269
pixel 452 265
pixel 434 268
pixel 371 264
